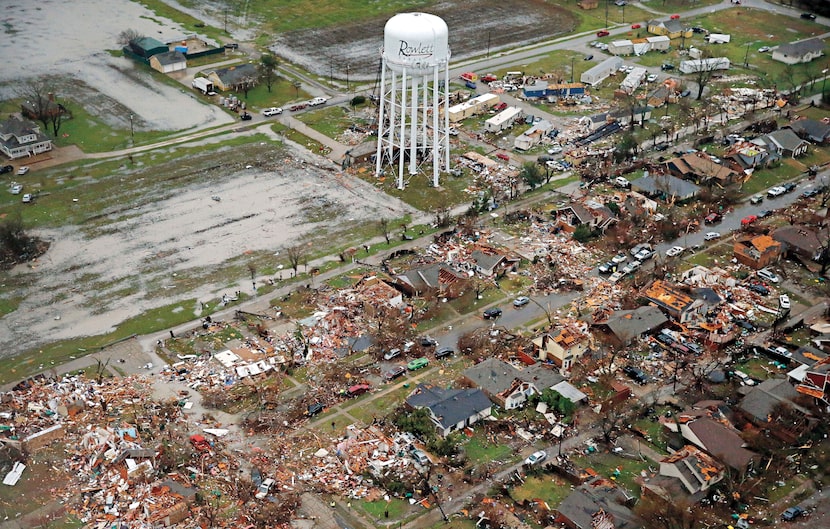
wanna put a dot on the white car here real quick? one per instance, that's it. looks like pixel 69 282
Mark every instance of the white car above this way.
pixel 619 258
pixel 776 191
pixel 23 170
pixel 264 489
pixel 16 189
pixel 768 275
pixel 764 49
pixel 784 301
pixel 616 276
pixel 27 198
pixel 273 111
pixel 675 251
pixel 536 457
pixel 631 267
pixel 651 78
pixel 711 236
pixel 318 101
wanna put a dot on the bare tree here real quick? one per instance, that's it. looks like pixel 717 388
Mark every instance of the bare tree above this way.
pixel 267 69
pixel 296 255
pixel 39 103
pixel 128 36
pixel 383 224
pixel 705 71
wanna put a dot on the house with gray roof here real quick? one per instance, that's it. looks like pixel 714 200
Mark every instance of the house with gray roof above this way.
pixel 630 325
pixel 20 137
pixel 799 52
pixel 784 142
pixel 597 503
pixel 169 61
pixel 811 130
pixel 510 387
pixel 451 409
pixel 436 278
pixel 233 77
pixel 762 405
pixel 666 187
pixel 491 263
pixel 709 430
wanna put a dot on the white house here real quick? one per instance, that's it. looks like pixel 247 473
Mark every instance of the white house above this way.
pixel 533 136
pixel 503 120
pixel 21 137
pixel 799 52
pixel 601 71
pixel 704 65
pixel 633 79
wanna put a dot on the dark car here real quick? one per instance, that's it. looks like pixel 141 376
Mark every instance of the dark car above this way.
pixel 231 46
pixel 394 373
pixel 588 57
pixel 245 117
pixel 712 218
pixel 6 169
pixel 666 67
pixel 492 313
pixel 789 187
pixel 636 374
pixel 743 324
pixel 809 193
pixel 444 352
pixel 314 409
pixel 427 341
pixel 759 289
pixel 793 512
pixel 662 147
pixel 698 29
pixel 607 268
pixel 808 16
pixel 764 214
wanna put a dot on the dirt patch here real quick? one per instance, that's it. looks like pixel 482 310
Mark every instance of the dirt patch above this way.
pixel 474 27
pixel 166 233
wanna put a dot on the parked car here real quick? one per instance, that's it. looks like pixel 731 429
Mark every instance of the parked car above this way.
pixel 759 289
pixel 808 16
pixel 318 101
pixel 745 325
pixel 651 77
pixel 444 352
pixel 521 301
pixel 603 33
pixel 299 106
pixel 768 275
pixel 712 218
pixel 631 267
pixel 23 169
pixel 784 301
pixel 536 457
pixel 394 373
pixel 607 268
pixel 776 191
pixel 273 111
pixel 764 49
pixel 616 276
pixel 428 341
pixel 743 378
pixel 711 236
pixel 492 313
pixel 782 351
pixel 810 193
pixel 636 26
pixel 749 219
pixel 6 169
pixel 264 488
pixel 27 198
pixel 644 254
pixel 622 182
pixel 420 457
pixel 15 189
pixel 757 199
pixel 685 93
pixel 764 214
pixel 793 512
pixel 619 258
pixel 588 57
pixel 417 364
pixel 789 187
pixel 666 67
pixel 675 251
pixel 314 409
pixel 501 106
pixel 231 46
pixel 489 78
pixel 245 116
pixel 634 251
pixel 636 374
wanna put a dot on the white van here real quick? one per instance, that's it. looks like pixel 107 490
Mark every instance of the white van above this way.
pixel 744 378
pixel 264 489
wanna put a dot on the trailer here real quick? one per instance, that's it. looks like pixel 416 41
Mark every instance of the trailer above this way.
pixel 472 107
pixel 533 136
pixel 601 71
pixel 707 65
pixel 503 120
pixel 204 85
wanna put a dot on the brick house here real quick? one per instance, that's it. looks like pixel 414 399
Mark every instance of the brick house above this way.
pixel 758 252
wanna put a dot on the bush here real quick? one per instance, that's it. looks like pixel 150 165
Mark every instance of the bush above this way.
pixel 583 233
pixel 357 100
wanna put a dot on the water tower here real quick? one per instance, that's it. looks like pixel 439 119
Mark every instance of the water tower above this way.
pixel 413 86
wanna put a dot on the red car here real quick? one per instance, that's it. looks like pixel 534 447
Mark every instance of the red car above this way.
pixel 749 219
pixel 636 26
pixel 502 156
pixel 603 33
pixel 674 17
pixel 501 106
pixel 489 78
pixel 298 107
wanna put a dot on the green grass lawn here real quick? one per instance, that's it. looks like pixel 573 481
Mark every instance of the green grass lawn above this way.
pixel 619 469
pixel 766 178
pixel 479 450
pixel 378 508
pixel 547 487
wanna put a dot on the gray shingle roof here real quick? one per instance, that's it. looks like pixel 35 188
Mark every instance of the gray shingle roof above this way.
pixel 235 74
pixel 629 324
pixel 799 49
pixel 669 184
pixel 449 406
pixel 170 57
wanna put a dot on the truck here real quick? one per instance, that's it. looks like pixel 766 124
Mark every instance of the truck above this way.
pixel 203 85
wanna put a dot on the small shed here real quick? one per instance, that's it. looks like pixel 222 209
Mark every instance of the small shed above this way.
pixel 167 62
pixel 146 47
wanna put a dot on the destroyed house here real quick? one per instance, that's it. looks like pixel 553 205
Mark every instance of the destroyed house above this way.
pixel 492 263
pixel 674 301
pixel 597 504
pixel 508 386
pixel 696 470
pixel 802 242
pixel 573 215
pixel 436 278
pixel 764 402
pixel 562 346
pixel 811 130
pixel 816 382
pixel 450 409
pixel 666 187
pixel 375 290
pixel 749 156
pixel 711 431
pixel 701 170
pixel 627 326
pixel 757 252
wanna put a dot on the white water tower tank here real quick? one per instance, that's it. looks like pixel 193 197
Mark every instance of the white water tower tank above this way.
pixel 413 84
pixel 416 42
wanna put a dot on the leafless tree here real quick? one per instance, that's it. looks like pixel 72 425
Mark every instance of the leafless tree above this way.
pixel 126 37
pixel 38 95
pixel 296 255
pixel 705 71
pixel 383 224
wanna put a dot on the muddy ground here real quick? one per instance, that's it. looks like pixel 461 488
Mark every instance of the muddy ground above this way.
pixel 474 26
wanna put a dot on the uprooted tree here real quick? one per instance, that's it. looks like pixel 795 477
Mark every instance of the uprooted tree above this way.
pixel 17 246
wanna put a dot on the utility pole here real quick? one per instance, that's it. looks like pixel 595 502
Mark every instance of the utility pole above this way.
pixel 226 19
pixel 746 55
pixel 572 69
pixel 489 34
pixel 132 132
